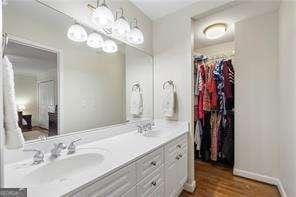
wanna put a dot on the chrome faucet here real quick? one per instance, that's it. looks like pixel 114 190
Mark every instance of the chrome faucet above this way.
pixel 56 151
pixel 72 147
pixel 38 156
pixel 142 126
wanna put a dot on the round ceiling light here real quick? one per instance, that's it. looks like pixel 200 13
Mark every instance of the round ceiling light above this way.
pixel 135 36
pixel 95 40
pixel 77 33
pixel 110 46
pixel 215 31
pixel 103 16
pixel 121 27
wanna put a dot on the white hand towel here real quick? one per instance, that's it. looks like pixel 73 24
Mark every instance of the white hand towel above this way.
pixel 13 135
pixel 168 102
pixel 136 103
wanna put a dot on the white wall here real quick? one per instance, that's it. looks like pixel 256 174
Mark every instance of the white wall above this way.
pixel 218 49
pixel 139 69
pixel 26 94
pixel 172 48
pixel 287 91
pixel 256 95
pixel 1 112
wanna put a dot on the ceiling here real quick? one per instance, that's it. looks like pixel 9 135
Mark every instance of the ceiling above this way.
pixel 229 15
pixel 28 60
pixel 155 9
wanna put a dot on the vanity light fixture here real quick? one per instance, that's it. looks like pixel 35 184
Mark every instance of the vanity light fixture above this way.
pixel 215 31
pixel 120 27
pixel 77 33
pixel 135 36
pixel 102 16
pixel 95 40
pixel 110 46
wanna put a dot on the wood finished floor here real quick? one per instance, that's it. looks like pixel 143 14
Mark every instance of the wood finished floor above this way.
pixel 217 181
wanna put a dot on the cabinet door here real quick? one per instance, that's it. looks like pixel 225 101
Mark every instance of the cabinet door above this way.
pixel 131 193
pixel 159 192
pixel 181 169
pixel 171 179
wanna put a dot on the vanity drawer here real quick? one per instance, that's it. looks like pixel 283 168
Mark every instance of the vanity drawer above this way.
pixel 114 185
pixel 151 184
pixel 159 192
pixel 174 148
pixel 149 163
pixel 131 193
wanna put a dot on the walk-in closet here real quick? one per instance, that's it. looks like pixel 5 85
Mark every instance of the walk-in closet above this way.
pixel 214 91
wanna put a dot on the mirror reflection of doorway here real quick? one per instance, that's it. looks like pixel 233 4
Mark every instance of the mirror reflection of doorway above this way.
pixel 36 78
pixel 45 102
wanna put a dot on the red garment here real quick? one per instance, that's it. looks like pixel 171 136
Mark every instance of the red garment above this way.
pixel 212 87
pixel 214 94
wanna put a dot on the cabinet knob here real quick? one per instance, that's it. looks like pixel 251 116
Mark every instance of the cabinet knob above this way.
pixel 153 183
pixel 180 155
pixel 153 163
pixel 179 146
pixel 177 157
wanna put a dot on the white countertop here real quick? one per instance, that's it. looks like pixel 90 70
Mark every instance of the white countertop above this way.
pixel 119 151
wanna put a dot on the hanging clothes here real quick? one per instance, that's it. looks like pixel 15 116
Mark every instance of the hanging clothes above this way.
pixel 198 134
pixel 214 98
pixel 215 125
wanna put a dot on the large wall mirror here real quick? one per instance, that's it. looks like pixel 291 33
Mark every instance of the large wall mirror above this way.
pixel 64 86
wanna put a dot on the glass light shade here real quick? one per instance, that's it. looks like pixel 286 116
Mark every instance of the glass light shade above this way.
pixel 110 46
pixel 121 27
pixel 215 31
pixel 102 16
pixel 95 40
pixel 77 33
pixel 135 36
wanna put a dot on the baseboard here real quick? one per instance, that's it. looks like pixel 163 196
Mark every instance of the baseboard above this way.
pixel 261 178
pixel 281 189
pixel 190 187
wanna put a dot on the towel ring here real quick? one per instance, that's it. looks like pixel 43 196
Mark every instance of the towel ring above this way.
pixel 136 87
pixel 170 82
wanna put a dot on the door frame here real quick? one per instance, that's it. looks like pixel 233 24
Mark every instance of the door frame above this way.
pixel 60 69
pixel 38 96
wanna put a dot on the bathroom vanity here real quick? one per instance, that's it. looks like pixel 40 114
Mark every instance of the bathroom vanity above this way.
pixel 124 164
pixel 95 95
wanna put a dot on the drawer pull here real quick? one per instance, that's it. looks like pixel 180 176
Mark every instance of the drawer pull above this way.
pixel 153 183
pixel 153 163
pixel 179 146
pixel 180 155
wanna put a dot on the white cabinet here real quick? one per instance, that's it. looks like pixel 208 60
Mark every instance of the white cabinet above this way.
pixel 131 193
pixel 151 183
pixel 114 185
pixel 182 169
pixel 175 166
pixel 160 173
pixel 171 179
pixel 149 163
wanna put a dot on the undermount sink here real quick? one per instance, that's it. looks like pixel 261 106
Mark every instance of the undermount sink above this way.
pixel 156 133
pixel 62 169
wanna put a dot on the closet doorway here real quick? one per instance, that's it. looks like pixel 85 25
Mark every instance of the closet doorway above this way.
pixel 214 86
pixel 227 82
